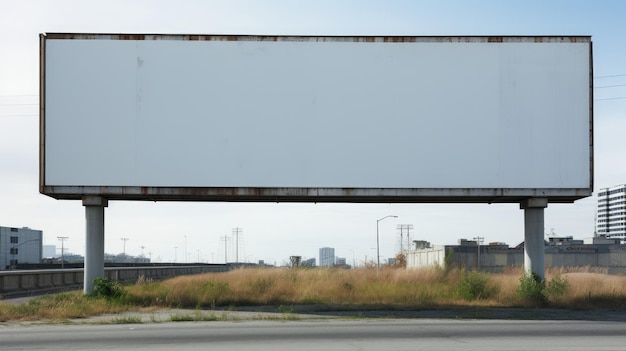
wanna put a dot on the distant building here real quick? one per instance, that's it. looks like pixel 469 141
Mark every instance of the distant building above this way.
pixel 73 258
pixel 122 258
pixel 296 261
pixel 559 252
pixel 611 215
pixel 327 257
pixel 49 251
pixel 310 262
pixel 421 244
pixel 19 245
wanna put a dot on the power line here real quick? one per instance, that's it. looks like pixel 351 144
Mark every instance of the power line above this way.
pixel 610 76
pixel 19 104
pixel 610 86
pixel 613 98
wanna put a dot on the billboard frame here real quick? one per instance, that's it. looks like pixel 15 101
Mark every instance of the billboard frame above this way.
pixel 312 194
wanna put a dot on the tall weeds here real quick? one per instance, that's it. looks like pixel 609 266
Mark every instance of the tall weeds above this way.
pixel 59 307
pixel 356 288
pixel 422 288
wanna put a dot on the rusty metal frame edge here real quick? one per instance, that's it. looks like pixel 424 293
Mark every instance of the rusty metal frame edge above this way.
pixel 345 195
pixel 321 38
pixel 42 110
pixel 591 123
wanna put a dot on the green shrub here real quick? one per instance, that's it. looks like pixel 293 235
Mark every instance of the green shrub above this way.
pixel 285 309
pixel 127 320
pixel 448 260
pixel 107 288
pixel 531 289
pixel 537 291
pixel 556 288
pixel 474 285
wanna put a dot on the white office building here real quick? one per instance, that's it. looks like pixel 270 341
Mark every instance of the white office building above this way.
pixel 611 216
pixel 327 257
pixel 19 245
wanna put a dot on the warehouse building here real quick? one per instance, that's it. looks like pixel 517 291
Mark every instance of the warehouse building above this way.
pixel 600 251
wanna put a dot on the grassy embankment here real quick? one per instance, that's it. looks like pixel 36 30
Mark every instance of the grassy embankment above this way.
pixel 354 289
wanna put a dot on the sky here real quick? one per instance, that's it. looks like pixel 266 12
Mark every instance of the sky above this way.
pixel 191 232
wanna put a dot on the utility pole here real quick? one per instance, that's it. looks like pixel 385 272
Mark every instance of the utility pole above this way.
pixel 403 228
pixel 353 259
pixel 236 232
pixel 124 253
pixel 62 238
pixel 225 238
pixel 479 240
pixel 175 253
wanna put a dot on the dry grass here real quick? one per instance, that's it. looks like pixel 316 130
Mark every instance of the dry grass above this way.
pixel 388 287
pixel 299 286
pixel 357 288
pixel 594 290
pixel 58 307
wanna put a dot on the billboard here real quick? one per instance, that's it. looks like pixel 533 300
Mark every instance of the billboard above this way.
pixel 316 118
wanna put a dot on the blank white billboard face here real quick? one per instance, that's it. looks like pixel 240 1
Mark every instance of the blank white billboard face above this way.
pixel 310 112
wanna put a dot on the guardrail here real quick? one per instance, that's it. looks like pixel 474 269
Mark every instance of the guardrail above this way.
pixel 26 282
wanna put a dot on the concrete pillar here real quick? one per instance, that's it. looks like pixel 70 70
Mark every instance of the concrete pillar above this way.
pixel 534 247
pixel 94 240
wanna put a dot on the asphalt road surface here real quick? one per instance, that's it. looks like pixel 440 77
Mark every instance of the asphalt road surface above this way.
pixel 403 334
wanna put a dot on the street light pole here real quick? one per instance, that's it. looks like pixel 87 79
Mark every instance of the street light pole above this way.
pixel 377 241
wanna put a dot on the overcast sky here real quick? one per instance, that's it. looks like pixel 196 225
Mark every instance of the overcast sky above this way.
pixel 271 231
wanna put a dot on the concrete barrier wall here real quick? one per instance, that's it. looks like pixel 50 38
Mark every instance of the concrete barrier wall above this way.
pixel 32 281
pixel 427 257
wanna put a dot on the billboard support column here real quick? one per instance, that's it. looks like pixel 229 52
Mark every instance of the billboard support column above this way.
pixel 534 247
pixel 94 240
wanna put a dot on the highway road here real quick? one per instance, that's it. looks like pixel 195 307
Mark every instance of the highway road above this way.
pixel 337 334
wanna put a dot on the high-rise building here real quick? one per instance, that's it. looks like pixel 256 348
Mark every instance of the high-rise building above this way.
pixel 19 245
pixel 611 216
pixel 327 257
